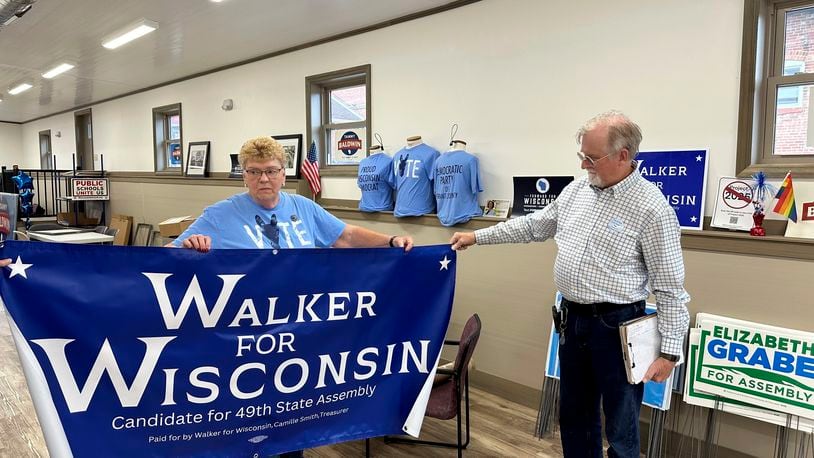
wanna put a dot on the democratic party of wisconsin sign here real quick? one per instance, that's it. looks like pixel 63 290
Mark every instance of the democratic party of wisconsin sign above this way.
pixel 682 177
pixel 169 352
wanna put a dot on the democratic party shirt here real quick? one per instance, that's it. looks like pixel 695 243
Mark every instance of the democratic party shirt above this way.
pixel 457 184
pixel 376 181
pixel 239 222
pixel 413 170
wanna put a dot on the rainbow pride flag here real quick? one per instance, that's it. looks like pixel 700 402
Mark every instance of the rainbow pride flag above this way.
pixel 785 200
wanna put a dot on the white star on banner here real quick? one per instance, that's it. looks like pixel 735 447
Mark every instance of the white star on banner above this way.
pixel 445 263
pixel 693 219
pixel 698 158
pixel 18 268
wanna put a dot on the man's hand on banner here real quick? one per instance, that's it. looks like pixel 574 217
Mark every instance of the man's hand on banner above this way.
pixel 462 240
pixel 5 262
pixel 198 242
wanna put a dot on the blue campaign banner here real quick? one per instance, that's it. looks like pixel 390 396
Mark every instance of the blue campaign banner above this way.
pixel 682 177
pixel 656 395
pixel 132 351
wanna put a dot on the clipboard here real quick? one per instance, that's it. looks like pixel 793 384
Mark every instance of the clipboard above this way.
pixel 641 345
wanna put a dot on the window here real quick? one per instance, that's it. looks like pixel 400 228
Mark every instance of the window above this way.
pixel 338 112
pixel 169 157
pixel 789 96
pixel 46 157
pixel 776 119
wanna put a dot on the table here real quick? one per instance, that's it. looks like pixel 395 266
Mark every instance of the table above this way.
pixel 62 231
pixel 72 237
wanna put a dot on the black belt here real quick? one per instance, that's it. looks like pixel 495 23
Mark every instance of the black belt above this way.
pixel 596 309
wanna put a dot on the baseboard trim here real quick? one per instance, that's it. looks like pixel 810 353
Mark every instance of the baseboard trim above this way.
pixel 506 389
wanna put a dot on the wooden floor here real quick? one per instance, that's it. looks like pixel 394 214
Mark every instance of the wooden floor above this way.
pixel 498 427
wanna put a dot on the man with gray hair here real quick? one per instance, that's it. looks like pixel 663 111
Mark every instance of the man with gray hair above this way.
pixel 617 240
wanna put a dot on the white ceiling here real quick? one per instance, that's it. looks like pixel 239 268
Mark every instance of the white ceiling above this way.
pixel 193 36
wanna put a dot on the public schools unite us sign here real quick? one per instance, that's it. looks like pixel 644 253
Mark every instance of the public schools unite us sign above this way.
pixel 168 352
pixel 755 364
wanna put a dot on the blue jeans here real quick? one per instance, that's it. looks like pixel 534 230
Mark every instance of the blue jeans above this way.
pixel 592 369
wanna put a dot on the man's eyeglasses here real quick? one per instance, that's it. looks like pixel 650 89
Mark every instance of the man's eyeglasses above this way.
pixel 582 157
pixel 270 172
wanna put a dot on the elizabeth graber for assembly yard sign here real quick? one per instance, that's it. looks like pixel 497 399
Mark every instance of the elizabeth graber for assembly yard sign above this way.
pixel 756 364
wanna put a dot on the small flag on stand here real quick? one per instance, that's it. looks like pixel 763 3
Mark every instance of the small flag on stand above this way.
pixel 310 169
pixel 785 199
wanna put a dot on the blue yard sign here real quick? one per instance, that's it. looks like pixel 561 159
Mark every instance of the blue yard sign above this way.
pixel 682 177
pixel 160 352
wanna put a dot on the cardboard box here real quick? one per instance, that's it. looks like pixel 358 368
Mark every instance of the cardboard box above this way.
pixel 76 219
pixel 173 227
pixel 123 224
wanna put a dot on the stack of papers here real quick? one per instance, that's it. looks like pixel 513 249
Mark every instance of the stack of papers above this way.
pixel 641 345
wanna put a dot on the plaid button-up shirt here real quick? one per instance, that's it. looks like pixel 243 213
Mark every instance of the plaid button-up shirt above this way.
pixel 613 245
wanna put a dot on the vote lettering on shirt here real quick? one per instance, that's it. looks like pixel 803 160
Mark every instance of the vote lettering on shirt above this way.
pixel 292 234
pixel 413 170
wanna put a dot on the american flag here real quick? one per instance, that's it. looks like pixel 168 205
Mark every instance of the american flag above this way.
pixel 310 169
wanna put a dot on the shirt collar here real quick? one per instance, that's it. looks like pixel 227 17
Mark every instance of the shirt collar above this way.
pixel 621 187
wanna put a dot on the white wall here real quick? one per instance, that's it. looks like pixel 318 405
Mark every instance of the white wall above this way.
pixel 518 76
pixel 62 147
pixel 11 144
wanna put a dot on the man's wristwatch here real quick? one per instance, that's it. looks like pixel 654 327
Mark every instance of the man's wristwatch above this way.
pixel 669 357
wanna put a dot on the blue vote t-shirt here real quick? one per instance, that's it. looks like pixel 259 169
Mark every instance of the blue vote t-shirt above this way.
pixel 239 222
pixel 413 170
pixel 457 184
pixel 376 182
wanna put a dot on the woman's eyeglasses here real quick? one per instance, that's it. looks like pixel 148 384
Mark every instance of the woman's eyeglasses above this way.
pixel 270 172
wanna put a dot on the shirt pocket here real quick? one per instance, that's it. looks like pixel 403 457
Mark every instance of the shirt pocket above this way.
pixel 615 251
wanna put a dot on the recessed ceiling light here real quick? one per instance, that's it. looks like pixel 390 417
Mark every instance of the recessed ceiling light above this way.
pixel 58 70
pixel 19 88
pixel 126 35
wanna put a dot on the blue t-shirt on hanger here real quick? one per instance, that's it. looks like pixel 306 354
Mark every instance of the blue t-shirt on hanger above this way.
pixel 239 222
pixel 413 170
pixel 376 181
pixel 457 184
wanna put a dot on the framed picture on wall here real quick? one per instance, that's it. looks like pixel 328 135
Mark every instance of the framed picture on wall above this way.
pixel 292 144
pixel 197 159
pixel 236 171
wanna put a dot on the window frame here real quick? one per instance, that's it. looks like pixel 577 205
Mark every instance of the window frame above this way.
pixel 317 114
pixel 761 74
pixel 161 140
